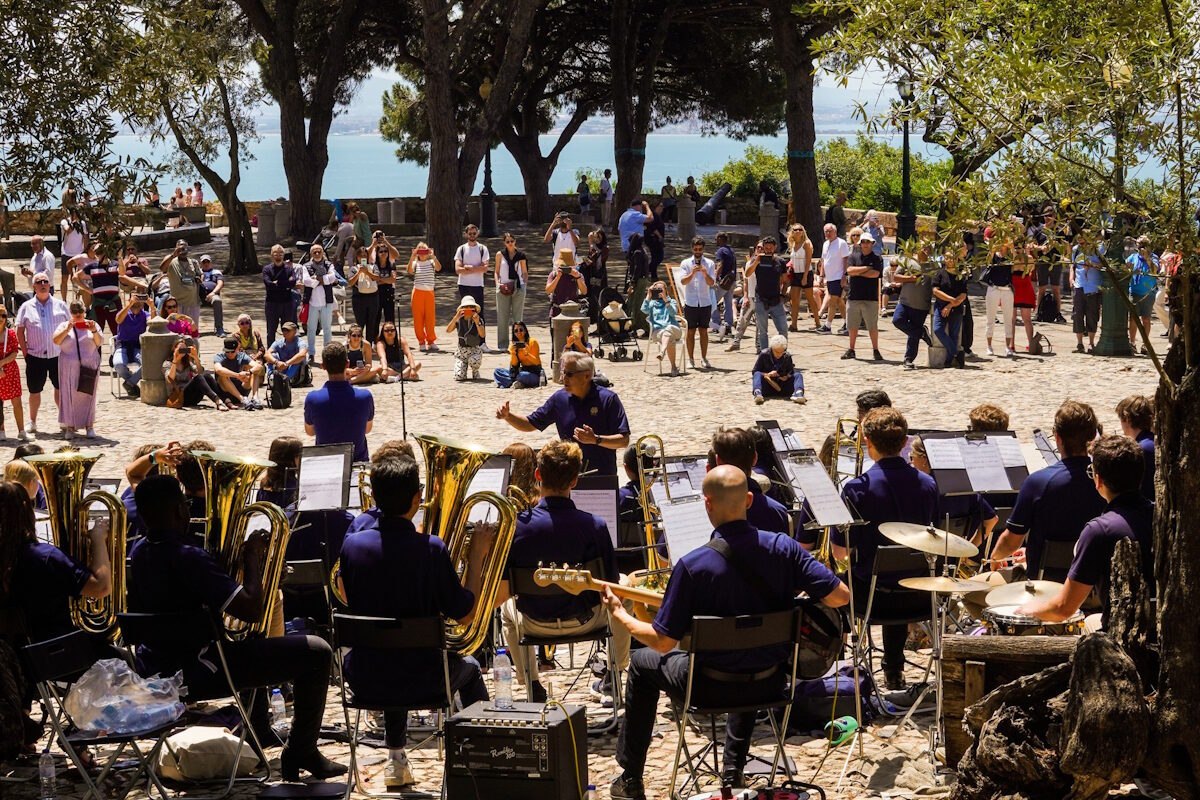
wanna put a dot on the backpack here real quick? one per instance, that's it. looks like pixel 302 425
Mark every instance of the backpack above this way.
pixel 1040 345
pixel 279 390
pixel 1047 309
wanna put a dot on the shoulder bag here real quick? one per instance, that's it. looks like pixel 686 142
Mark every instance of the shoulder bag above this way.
pixel 87 375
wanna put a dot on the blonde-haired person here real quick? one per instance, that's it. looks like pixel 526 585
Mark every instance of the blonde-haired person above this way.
pixel 19 471
pixel 360 366
pixel 801 275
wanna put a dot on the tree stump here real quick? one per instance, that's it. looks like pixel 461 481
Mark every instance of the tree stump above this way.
pixel 1131 616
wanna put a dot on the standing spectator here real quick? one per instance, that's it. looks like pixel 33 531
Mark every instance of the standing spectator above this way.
pixel 512 278
pixel 524 361
pixel 768 271
pixel 699 276
pixel 836 215
pixel 187 382
pixel 637 279
pixel 1047 245
pixel 344 229
pixel 422 266
pixel 727 275
pixel 41 261
pixel 289 355
pixel 865 268
pixel 1168 267
pixel 656 240
pixel 561 236
pixel 834 255
pixel 362 224
pixel 73 233
pixel 876 231
pixel 1143 283
pixel 280 278
pixel 471 263
pixel 565 282
pixel 691 191
pixel 10 376
pixel 186 280
pixel 396 362
pixel 916 296
pixel 1024 295
pixel 800 273
pixel 383 256
pixel 213 281
pixel 663 314
pixel 198 193
pixel 238 376
pixel 748 285
pixel 775 375
pixel 78 371
pixel 584 193
pixel 104 279
pixel 318 277
pixel 339 413
pixel 1000 296
pixel 594 268
pixel 606 197
pixel 37 320
pixel 634 220
pixel 364 292
pixel 360 361
pixel 949 293
pixel 127 351
pixel 1087 269
pixel 468 323
pixel 669 200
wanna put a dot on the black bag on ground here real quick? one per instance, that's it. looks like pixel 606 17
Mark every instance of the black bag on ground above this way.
pixel 1047 309
pixel 279 390
pixel 819 701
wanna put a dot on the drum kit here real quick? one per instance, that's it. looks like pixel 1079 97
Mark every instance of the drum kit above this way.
pixel 997 600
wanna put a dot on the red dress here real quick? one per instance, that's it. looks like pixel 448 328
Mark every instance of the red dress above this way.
pixel 10 373
pixel 1023 294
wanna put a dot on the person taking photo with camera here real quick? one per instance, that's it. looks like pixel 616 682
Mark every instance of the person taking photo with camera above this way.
pixel 663 314
pixel 127 355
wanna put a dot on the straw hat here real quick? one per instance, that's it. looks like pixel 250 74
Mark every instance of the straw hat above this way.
pixel 566 257
pixel 468 302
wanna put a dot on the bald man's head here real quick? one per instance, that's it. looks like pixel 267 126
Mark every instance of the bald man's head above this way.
pixel 726 496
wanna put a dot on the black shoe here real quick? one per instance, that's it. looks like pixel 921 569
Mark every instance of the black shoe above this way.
pixel 313 763
pixel 132 391
pixel 732 778
pixel 893 679
pixel 849 354
pixel 909 365
pixel 537 693
pixel 878 355
pixel 926 338
pixel 960 360
pixel 626 787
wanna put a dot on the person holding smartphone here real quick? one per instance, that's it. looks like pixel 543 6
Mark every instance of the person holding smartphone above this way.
pixel 565 282
pixel 127 355
pixel 79 343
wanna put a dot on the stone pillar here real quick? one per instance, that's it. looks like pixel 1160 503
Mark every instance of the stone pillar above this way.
pixel 722 217
pixel 685 207
pixel 266 225
pixel 768 221
pixel 157 342
pixel 283 220
pixel 937 353
pixel 398 211
pixel 383 212
pixel 560 329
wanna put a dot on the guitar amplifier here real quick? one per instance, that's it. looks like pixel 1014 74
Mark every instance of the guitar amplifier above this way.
pixel 494 753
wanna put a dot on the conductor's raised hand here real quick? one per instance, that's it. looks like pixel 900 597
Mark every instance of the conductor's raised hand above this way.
pixel 502 411
pixel 585 435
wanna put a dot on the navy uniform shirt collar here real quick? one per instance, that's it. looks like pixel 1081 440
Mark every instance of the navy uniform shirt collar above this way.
pixel 1143 436
pixel 593 395
pixel 554 501
pixel 753 486
pixel 396 525
pixel 892 462
pixel 732 530
pixel 1127 500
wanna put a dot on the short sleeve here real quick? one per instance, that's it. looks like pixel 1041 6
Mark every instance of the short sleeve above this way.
pixel 674 618
pixel 69 575
pixel 1021 517
pixel 620 422
pixel 208 580
pixel 543 416
pixel 1093 556
pixel 369 405
pixel 813 577
pixel 309 417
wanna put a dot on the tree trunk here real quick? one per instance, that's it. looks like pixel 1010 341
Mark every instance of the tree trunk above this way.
pixel 536 170
pixel 242 256
pixel 304 166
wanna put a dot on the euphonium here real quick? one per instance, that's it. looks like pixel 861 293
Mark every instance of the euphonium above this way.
pixel 228 481
pixel 62 476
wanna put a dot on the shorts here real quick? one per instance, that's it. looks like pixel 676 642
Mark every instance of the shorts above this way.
pixel 1144 304
pixel 862 311
pixel 1085 311
pixel 802 280
pixel 697 316
pixel 37 370
pixel 1049 275
pixel 834 287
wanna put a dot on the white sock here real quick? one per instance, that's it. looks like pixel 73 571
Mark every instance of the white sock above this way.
pixel 398 755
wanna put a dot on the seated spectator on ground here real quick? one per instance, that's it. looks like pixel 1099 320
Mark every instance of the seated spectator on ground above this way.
pixel 775 375
pixel 250 340
pixel 396 360
pixel 361 368
pixel 187 382
pixel 238 376
pixel 290 356
pixel 577 341
pixel 524 369
pixel 665 328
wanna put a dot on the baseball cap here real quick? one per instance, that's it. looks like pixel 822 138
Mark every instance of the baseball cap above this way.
pixel 289 326
pixel 205 258
pixel 231 343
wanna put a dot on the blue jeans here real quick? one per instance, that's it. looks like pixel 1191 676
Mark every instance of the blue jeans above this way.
pixel 127 363
pixel 777 315
pixel 716 293
pixel 765 389
pixel 946 330
pixel 322 316
pixel 505 378
pixel 912 322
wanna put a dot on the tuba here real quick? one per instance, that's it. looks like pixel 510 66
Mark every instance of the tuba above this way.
pixel 478 554
pixel 62 476
pixel 228 481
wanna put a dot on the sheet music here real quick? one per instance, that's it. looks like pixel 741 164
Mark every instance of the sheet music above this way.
pixel 810 477
pixel 792 441
pixel 322 479
pixel 945 454
pixel 685 526
pixel 985 468
pixel 777 440
pixel 697 468
pixel 355 502
pixel 487 480
pixel 602 503
pixel 1010 450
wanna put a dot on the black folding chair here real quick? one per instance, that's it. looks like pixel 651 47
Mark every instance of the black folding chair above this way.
pixel 1056 559
pixel 54 665
pixel 306 584
pixel 192 632
pixel 522 584
pixel 399 637
pixel 711 635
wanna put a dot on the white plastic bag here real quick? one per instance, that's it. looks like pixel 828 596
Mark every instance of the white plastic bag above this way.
pixel 112 698
pixel 202 753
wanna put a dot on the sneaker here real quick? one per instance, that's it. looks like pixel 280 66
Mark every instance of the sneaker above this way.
pixel 602 690
pixel 1009 352
pixel 990 351
pixel 1145 350
pixel 1079 347
pixel 133 391
pixel 909 365
pixel 396 379
pixel 1091 351
pixel 220 334
pixel 823 329
pixel 877 355
pixel 960 360
pixel 627 787
pixel 691 363
pixel 708 365
pixel 732 778
pixel 22 436
pixel 398 774
pixel 759 399
pixel 433 348
pixel 68 433
pixel 91 433
pixel 793 328
pixel 908 697
pixel 674 372
pixel 733 347
pixel 424 348
pixel 844 331
pixel 31 428
pixel 893 679
pixel 799 399
pixel 475 375
pixel 849 354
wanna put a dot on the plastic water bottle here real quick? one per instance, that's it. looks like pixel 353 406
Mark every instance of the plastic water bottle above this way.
pixel 502 674
pixel 591 791
pixel 279 718
pixel 46 775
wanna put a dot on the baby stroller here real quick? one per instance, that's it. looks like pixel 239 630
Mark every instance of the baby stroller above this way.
pixel 616 333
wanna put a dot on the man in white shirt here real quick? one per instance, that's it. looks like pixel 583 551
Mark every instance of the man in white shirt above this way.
pixel 699 276
pixel 606 197
pixel 42 261
pixel 73 232
pixel 834 256
pixel 562 235
pixel 471 263
pixel 36 322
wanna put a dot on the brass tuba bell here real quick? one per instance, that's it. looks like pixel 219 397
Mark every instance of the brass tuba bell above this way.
pixel 63 476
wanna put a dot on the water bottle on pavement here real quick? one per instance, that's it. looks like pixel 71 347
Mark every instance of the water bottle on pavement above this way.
pixel 46 775
pixel 502 675
pixel 591 791
pixel 279 720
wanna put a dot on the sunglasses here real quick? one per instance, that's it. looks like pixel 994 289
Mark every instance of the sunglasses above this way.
pixel 231 352
pixel 243 324
pixel 573 373
pixel 78 313
pixel 41 283
pixel 389 330
pixel 356 336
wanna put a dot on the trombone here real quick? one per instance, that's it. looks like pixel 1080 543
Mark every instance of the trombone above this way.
pixel 848 442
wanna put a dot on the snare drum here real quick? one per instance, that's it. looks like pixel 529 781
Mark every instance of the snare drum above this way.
pixel 1005 621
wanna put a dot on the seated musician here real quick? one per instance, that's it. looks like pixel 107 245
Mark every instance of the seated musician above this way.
pixel 892 490
pixel 167 575
pixel 769 571
pixel 735 446
pixel 554 531
pixel 393 448
pixel 1136 413
pixel 1117 465
pixel 1056 502
pixel 394 571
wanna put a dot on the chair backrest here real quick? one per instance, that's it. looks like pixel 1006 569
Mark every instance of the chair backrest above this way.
pixel 631 534
pixel 389 633
pixel 190 630
pixel 898 558
pixel 63 658
pixel 1056 557
pixel 309 573
pixel 744 632
pixel 520 580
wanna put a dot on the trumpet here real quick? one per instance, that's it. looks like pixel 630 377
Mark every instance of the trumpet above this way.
pixel 62 476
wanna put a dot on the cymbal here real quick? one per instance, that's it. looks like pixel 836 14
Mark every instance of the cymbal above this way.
pixel 928 539
pixel 939 585
pixel 1023 592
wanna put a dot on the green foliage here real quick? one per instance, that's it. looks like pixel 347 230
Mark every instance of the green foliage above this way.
pixel 594 176
pixel 405 123
pixel 744 173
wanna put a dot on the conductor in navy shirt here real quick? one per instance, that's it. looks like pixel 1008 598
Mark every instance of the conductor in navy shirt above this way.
pixel 703 583
pixel 581 411
pixel 339 413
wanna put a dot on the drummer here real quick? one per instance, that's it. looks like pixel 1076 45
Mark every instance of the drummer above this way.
pixel 1117 466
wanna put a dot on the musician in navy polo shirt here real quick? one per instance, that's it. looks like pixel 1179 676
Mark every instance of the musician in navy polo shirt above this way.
pixel 581 411
pixel 394 571
pixel 338 412
pixel 168 576
pixel 1117 474
pixel 736 446
pixel 706 582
